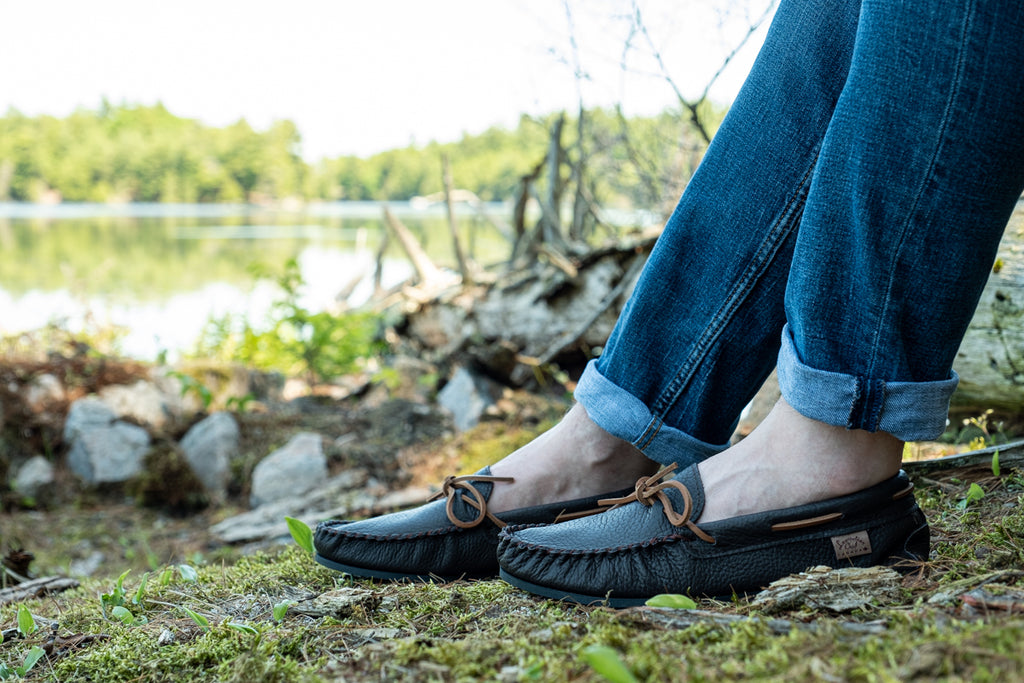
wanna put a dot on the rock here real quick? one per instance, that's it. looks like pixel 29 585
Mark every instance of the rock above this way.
pixel 299 466
pixel 102 449
pixel 43 393
pixel 209 447
pixel 337 497
pixel 837 590
pixel 34 476
pixel 87 413
pixel 143 402
pixel 337 604
pixel 108 454
pixel 87 566
pixel 467 395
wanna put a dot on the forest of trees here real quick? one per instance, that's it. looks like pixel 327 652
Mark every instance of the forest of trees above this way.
pixel 126 153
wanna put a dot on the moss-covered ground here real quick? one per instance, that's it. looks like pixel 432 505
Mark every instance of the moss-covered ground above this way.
pixel 959 618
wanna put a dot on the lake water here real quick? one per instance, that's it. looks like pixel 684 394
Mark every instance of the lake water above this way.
pixel 160 272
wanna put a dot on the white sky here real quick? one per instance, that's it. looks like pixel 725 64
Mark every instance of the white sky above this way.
pixel 359 76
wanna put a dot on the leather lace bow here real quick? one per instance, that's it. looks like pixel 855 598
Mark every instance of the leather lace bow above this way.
pixel 649 489
pixel 472 496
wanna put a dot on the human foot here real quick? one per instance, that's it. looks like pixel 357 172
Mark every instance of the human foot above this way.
pixel 659 543
pixel 569 469
pixel 574 459
pixel 792 460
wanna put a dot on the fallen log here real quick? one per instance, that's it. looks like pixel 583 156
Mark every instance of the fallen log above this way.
pixel 35 588
pixel 990 361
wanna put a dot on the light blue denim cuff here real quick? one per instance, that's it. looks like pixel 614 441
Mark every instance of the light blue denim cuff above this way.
pixel 623 415
pixel 910 411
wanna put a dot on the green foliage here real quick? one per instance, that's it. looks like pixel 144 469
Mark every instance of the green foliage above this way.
pixel 974 494
pixel 119 153
pixel 606 662
pixel 190 385
pixel 115 598
pixel 281 608
pixel 295 340
pixel 301 532
pixel 672 600
pixel 26 622
pixel 200 620
pixel 33 656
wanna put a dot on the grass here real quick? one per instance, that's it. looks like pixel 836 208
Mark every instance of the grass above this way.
pixel 222 625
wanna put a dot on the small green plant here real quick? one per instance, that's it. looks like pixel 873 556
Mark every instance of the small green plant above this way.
pixel 200 620
pixel 995 464
pixel 115 598
pixel 301 532
pixel 242 628
pixel 190 385
pixel 295 340
pixel 673 600
pixel 978 432
pixel 188 573
pixel 281 608
pixel 239 404
pixel 26 622
pixel 31 658
pixel 606 662
pixel 974 494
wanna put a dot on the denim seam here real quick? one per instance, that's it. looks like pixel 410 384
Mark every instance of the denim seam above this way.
pixel 956 85
pixel 788 220
pixel 650 433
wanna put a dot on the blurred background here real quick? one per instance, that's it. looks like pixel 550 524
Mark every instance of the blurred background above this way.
pixel 161 163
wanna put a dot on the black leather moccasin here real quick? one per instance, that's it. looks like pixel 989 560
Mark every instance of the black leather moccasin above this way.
pixel 651 543
pixel 451 537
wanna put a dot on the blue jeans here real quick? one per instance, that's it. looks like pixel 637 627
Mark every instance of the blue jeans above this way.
pixel 841 226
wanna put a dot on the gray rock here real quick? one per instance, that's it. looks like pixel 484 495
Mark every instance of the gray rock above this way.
pixel 87 566
pixel 87 413
pixel 336 497
pixel 34 476
pixel 467 395
pixel 143 401
pixel 299 466
pixel 209 447
pixel 108 453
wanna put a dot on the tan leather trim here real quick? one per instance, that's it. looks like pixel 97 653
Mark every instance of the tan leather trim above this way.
pixel 904 493
pixel 804 523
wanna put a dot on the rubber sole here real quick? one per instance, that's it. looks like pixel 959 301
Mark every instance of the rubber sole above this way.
pixel 364 573
pixel 580 598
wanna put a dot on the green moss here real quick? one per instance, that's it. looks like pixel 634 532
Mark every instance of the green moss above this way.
pixel 487 630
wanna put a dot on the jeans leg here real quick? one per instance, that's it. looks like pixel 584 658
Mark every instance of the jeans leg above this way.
pixel 918 173
pixel 702 328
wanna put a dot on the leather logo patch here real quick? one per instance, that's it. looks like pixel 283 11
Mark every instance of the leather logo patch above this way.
pixel 852 545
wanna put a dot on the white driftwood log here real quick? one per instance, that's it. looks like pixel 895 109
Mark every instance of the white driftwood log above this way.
pixel 991 358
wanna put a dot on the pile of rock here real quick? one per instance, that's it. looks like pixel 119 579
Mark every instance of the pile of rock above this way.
pixel 110 438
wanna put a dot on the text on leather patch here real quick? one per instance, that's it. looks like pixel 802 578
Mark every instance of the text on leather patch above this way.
pixel 852 545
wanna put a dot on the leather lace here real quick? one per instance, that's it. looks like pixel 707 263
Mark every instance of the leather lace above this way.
pixel 649 489
pixel 474 499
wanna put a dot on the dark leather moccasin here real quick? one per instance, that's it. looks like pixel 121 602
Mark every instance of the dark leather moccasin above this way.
pixel 454 536
pixel 651 543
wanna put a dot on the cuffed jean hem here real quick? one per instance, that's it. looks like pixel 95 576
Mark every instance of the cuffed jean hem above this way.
pixel 621 414
pixel 910 411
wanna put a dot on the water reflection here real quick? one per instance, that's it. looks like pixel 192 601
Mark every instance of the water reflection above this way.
pixel 161 271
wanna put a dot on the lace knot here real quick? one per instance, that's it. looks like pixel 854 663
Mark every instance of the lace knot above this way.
pixel 652 488
pixel 471 496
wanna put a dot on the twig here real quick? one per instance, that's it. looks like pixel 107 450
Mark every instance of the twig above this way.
pixel 425 268
pixel 677 618
pixel 1010 455
pixel 35 588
